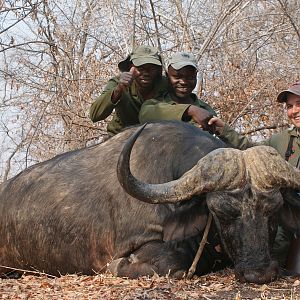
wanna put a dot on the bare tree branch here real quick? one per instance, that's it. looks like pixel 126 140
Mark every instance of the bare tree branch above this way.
pixel 288 15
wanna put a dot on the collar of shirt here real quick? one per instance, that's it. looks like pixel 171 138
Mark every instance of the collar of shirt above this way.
pixel 294 132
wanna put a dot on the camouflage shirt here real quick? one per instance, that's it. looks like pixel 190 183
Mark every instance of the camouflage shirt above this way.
pixel 168 109
pixel 126 110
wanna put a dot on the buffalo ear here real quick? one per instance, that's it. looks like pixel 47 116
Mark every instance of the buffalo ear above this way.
pixel 289 215
pixel 188 221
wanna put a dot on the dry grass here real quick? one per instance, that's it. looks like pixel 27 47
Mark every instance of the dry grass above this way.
pixel 220 285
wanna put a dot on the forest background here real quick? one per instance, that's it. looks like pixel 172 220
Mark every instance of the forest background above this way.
pixel 57 55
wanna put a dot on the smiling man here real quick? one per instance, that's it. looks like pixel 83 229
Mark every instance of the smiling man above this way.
pixel 179 103
pixel 291 97
pixel 140 79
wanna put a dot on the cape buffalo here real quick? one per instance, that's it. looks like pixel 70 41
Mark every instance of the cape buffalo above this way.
pixel 244 195
pixel 71 215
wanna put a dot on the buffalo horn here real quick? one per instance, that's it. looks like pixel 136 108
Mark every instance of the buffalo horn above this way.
pixel 270 170
pixel 222 169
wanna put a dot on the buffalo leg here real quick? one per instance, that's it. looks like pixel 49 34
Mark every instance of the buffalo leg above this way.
pixel 155 257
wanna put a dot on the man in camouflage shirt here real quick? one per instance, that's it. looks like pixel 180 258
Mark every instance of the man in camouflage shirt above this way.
pixel 140 79
pixel 179 103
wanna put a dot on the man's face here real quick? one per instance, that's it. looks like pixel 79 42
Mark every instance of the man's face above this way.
pixel 293 109
pixel 145 75
pixel 182 81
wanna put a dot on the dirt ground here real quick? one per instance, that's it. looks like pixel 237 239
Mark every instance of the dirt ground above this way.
pixel 221 285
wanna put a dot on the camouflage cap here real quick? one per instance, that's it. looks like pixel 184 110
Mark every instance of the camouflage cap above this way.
pixel 294 89
pixel 182 59
pixel 140 56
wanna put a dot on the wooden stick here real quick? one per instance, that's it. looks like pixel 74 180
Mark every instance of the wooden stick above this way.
pixel 28 271
pixel 200 249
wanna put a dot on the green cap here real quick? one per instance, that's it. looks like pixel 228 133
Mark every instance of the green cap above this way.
pixel 140 56
pixel 145 55
pixel 182 59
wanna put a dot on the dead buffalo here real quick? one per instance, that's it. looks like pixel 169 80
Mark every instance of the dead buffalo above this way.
pixel 243 193
pixel 71 215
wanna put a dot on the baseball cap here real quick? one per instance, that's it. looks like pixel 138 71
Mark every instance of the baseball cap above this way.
pixel 140 56
pixel 294 89
pixel 182 59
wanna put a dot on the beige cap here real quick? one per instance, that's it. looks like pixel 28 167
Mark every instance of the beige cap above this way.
pixel 294 89
pixel 182 59
pixel 140 56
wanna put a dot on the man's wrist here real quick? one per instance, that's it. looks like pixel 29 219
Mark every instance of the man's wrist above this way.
pixel 116 95
pixel 186 117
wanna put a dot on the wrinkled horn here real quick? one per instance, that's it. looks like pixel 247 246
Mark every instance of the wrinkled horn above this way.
pixel 222 169
pixel 270 170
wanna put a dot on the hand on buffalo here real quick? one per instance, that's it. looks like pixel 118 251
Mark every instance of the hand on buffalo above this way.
pixel 217 123
pixel 126 79
pixel 201 116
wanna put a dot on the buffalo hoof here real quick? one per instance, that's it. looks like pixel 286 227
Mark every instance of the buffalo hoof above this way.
pixel 113 266
pixel 131 267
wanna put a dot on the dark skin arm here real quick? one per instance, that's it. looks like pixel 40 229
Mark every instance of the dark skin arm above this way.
pixel 126 79
pixel 200 116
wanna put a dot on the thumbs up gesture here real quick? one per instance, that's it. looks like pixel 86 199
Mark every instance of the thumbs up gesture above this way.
pixel 126 79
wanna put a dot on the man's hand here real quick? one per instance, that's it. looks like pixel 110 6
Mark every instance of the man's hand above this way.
pixel 201 116
pixel 126 79
pixel 217 123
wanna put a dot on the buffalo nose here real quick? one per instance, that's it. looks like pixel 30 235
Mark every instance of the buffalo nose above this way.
pixel 258 276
